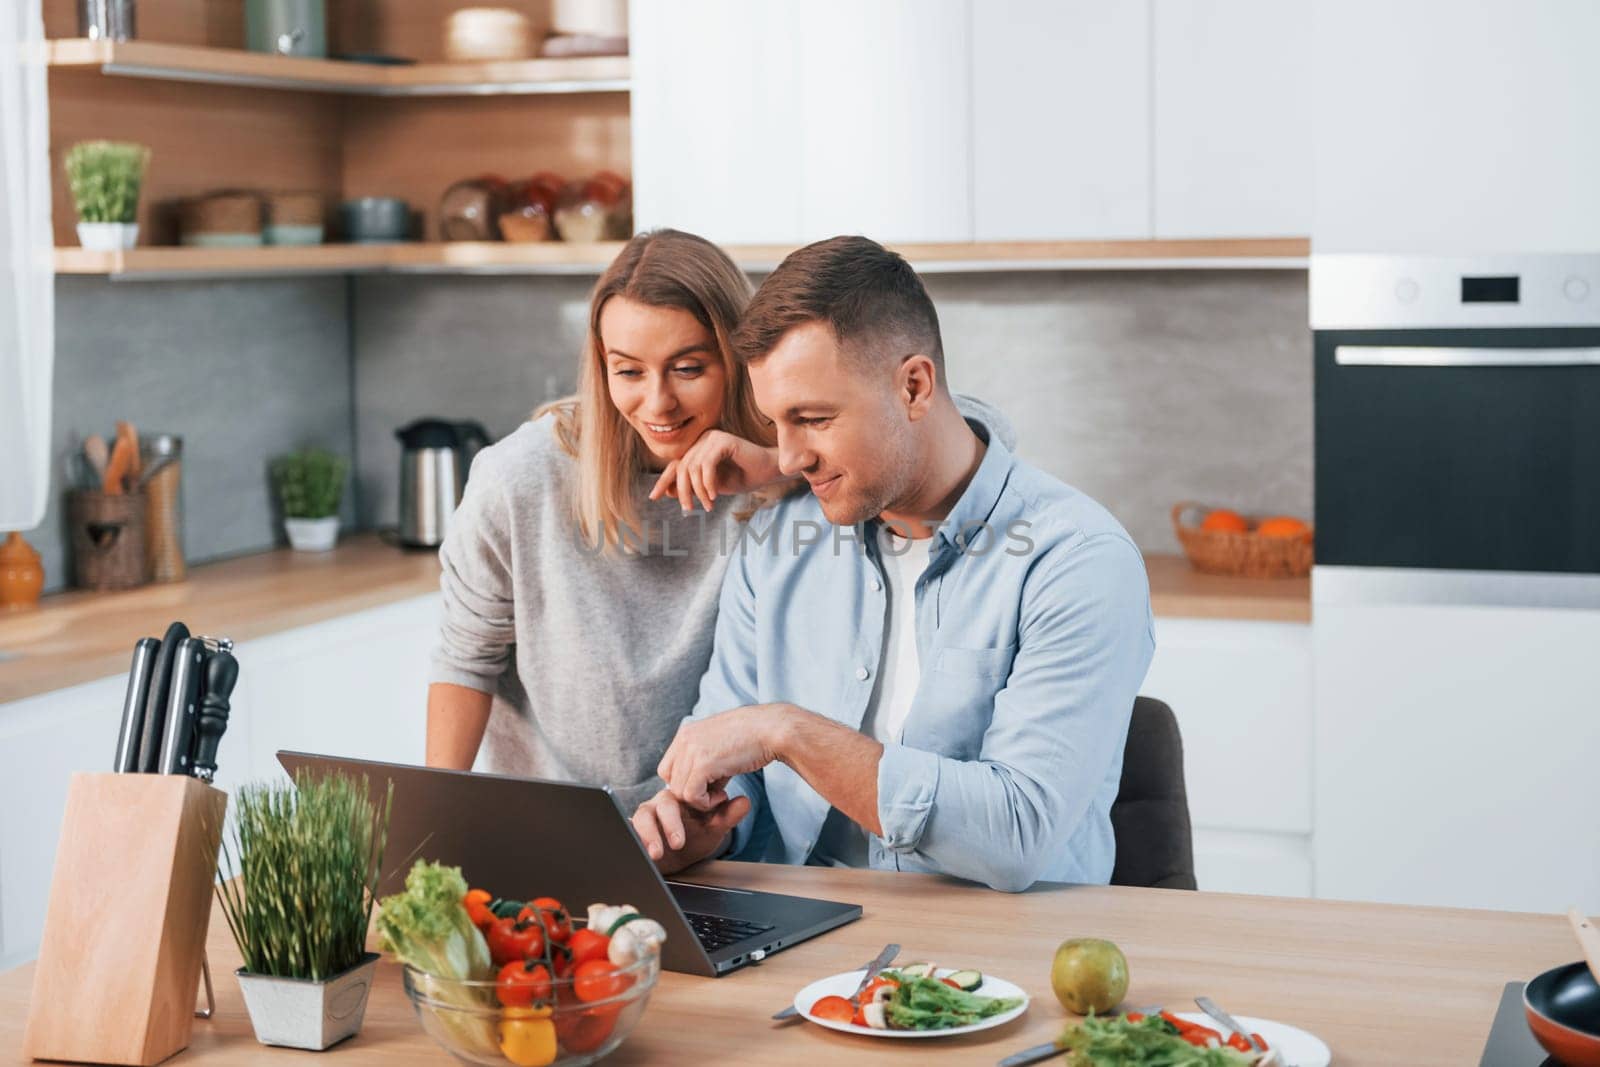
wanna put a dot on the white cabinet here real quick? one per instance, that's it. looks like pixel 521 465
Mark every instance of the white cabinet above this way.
pixel 785 123
pixel 1456 756
pixel 1060 120
pixel 1241 692
pixel 354 686
pixel 1232 114
pixel 1458 128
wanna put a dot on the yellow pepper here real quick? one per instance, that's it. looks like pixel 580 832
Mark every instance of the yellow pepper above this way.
pixel 528 1037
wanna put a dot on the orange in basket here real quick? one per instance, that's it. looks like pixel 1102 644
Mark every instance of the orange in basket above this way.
pixel 1279 546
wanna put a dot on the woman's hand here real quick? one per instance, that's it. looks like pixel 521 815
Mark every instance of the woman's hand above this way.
pixel 717 463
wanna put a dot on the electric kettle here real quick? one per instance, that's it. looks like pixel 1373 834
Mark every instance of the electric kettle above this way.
pixel 435 456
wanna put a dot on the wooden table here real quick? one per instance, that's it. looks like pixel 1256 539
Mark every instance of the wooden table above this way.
pixel 1381 984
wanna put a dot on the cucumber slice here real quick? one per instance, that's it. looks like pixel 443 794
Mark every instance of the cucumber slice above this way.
pixel 967 980
pixel 918 970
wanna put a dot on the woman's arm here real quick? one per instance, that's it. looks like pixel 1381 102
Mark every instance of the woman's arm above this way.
pixel 457 716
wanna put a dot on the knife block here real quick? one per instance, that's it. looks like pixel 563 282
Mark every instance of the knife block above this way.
pixel 130 903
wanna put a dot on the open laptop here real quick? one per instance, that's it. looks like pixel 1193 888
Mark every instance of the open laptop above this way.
pixel 525 838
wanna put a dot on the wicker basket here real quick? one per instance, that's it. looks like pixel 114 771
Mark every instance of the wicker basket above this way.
pixel 107 538
pixel 1241 555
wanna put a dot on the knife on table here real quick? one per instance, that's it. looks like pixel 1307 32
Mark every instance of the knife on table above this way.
pixel 157 698
pixel 879 962
pixel 183 705
pixel 133 705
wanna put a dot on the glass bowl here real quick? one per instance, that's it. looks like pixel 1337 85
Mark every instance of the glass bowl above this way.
pixel 468 1020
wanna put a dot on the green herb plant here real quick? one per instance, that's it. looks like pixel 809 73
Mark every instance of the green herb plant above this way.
pixel 105 177
pixel 307 858
pixel 309 483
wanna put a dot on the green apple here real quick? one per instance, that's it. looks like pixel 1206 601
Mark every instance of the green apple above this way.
pixel 1089 975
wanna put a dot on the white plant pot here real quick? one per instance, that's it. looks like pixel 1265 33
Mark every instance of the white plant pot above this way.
pixel 108 236
pixel 296 1013
pixel 312 535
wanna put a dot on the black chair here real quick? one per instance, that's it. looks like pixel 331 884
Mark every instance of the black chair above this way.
pixel 1155 846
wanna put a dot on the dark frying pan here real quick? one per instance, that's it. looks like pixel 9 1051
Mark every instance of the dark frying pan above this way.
pixel 1563 1009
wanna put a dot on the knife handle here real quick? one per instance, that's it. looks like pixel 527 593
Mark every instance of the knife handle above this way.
pixel 187 670
pixel 222 672
pixel 126 760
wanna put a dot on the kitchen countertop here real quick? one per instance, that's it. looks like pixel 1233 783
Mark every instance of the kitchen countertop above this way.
pixel 79 637
pixel 1381 984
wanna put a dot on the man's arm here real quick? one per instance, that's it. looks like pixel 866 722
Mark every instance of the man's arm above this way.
pixel 1084 646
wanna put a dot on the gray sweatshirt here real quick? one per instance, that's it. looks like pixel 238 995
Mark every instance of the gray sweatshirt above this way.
pixel 592 658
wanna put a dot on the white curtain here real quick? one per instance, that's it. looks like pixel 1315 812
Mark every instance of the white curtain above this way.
pixel 27 270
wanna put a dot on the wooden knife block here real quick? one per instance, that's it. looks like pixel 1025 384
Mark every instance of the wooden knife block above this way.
pixel 125 930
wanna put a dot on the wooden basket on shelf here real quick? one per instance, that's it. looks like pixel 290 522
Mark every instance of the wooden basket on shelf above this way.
pixel 1240 555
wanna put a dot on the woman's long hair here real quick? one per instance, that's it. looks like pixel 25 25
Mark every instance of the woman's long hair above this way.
pixel 666 269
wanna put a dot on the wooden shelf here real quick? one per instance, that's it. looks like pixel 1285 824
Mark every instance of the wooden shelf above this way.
pixel 556 257
pixel 231 66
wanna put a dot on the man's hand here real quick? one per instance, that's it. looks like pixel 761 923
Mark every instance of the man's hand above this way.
pixel 718 462
pixel 707 752
pixel 677 836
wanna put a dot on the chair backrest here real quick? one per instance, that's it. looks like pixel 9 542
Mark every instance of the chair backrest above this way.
pixel 1155 846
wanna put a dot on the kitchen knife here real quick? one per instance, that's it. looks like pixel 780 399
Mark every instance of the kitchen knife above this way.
pixel 177 742
pixel 222 671
pixel 144 658
pixel 156 698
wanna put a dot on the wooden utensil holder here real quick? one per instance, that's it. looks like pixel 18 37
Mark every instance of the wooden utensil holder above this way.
pixel 125 931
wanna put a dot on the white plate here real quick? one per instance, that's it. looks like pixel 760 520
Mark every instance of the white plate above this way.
pixel 843 985
pixel 1295 1047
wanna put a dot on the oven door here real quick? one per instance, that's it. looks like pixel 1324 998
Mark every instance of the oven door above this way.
pixel 1459 449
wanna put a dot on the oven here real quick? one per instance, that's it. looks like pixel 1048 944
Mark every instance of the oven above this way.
pixel 1457 428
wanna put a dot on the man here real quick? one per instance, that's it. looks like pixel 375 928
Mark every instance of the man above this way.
pixel 929 661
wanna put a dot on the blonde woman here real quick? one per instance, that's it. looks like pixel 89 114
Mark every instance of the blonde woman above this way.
pixel 582 570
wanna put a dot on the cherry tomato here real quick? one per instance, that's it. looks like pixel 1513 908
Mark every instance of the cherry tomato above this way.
pixel 1240 1042
pixel 860 1017
pixel 521 982
pixel 588 945
pixel 587 1030
pixel 548 910
pixel 511 940
pixel 561 961
pixel 834 1009
pixel 953 984
pixel 597 980
pixel 477 904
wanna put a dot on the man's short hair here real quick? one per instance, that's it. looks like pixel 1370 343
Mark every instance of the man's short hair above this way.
pixel 870 297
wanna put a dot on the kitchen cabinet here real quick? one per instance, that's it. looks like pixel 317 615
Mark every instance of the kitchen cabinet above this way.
pixel 786 123
pixel 354 686
pixel 1456 128
pixel 1232 118
pixel 1060 120
pixel 1456 755
pixel 1241 691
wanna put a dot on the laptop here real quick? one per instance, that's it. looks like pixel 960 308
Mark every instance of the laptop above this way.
pixel 525 838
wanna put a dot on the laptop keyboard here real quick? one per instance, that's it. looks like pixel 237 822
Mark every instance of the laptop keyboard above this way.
pixel 718 931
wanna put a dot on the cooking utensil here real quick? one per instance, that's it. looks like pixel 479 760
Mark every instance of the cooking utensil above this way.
pixel 98 454
pixel 133 705
pixel 222 671
pixel 123 455
pixel 876 964
pixel 177 742
pixel 1213 1009
pixel 126 432
pixel 1562 1007
pixel 1588 937
pixel 155 703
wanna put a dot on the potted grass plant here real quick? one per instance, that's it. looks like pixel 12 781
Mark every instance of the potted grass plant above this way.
pixel 297 886
pixel 105 178
pixel 310 484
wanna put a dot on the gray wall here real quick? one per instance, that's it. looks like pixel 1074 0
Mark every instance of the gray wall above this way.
pixel 1141 388
pixel 242 370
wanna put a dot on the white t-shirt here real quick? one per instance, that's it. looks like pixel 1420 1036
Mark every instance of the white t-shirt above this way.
pixel 842 843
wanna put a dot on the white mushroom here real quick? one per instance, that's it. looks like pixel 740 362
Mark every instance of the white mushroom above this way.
pixel 633 939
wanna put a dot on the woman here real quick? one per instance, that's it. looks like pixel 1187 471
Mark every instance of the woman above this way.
pixel 580 590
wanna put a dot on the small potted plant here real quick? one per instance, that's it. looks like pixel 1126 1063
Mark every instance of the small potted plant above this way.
pixel 105 177
pixel 297 886
pixel 310 483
